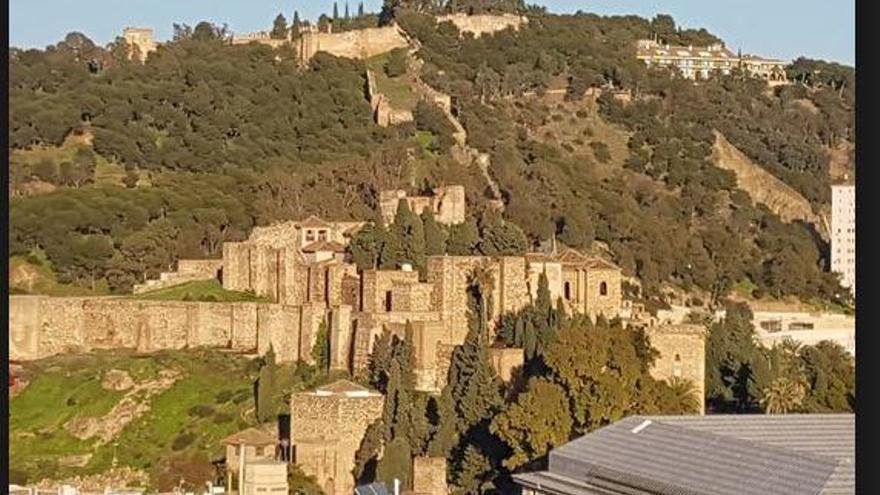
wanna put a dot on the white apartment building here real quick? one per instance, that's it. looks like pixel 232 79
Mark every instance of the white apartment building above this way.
pixel 843 234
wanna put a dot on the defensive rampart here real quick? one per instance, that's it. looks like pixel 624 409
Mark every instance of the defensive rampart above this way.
pixel 41 326
pixel 361 43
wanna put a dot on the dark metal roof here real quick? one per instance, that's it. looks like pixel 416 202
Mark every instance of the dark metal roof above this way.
pixel 826 435
pixel 371 489
pixel 706 455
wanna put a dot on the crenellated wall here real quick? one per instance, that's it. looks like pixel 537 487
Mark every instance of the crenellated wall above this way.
pixel 42 326
pixel 359 44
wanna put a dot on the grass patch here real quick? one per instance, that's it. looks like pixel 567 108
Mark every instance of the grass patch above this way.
pixel 202 290
pixel 398 90
pixel 38 440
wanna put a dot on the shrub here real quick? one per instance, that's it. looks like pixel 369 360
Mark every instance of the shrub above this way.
pixel 182 441
pixel 224 396
pixel 600 151
pixel 222 418
pixel 201 411
pixel 396 64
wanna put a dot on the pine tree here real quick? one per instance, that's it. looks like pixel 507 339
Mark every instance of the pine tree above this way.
pixel 279 28
pixel 435 235
pixel 366 246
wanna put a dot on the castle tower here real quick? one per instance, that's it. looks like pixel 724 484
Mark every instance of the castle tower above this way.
pixel 141 41
pixel 327 426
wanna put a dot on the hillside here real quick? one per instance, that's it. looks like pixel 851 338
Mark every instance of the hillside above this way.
pixel 762 186
pixel 160 415
pixel 206 140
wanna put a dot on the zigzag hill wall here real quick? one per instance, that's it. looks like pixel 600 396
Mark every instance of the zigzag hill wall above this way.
pixel 41 326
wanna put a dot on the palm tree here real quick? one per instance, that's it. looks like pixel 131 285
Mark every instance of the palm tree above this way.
pixel 685 395
pixel 784 395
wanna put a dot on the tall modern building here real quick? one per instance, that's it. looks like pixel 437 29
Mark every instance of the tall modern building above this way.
pixel 843 234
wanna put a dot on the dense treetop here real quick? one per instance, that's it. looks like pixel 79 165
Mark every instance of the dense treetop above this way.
pixel 218 138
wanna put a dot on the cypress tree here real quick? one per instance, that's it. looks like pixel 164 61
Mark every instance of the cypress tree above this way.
pixel 435 235
pixel 346 11
pixel 266 387
pixel 335 11
pixel 542 300
pixel 361 9
pixel 463 239
pixel 473 391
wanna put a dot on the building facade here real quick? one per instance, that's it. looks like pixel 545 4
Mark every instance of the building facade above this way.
pixel 843 234
pixel 696 62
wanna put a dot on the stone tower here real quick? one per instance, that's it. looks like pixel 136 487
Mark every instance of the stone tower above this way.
pixel 141 41
pixel 326 429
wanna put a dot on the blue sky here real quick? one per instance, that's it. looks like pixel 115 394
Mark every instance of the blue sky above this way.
pixel 784 29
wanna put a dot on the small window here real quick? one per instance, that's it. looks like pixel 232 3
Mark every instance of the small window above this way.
pixel 261 451
pixel 676 366
pixel 568 291
pixel 322 235
pixel 388 301
pixel 603 289
pixel 310 235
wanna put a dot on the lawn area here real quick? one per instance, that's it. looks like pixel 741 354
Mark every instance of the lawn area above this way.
pixel 202 290
pixel 398 90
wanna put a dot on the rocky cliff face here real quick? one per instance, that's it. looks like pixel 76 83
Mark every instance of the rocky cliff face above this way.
pixel 763 187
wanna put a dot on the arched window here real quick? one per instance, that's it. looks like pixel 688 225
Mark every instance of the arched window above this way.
pixel 603 289
pixel 568 291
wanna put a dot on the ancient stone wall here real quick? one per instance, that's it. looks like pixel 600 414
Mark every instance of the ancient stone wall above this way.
pixel 447 204
pixel 42 326
pixel 187 271
pixel 482 24
pixel 553 271
pixel 341 338
pixel 682 355
pixel 377 288
pixel 360 44
pixel 429 476
pixel 506 360
pixel 326 432
pixel 603 292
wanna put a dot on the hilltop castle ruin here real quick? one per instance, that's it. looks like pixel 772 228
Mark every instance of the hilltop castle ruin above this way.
pixel 302 269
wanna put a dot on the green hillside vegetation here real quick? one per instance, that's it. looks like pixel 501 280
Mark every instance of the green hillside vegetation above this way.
pixel 231 137
pixel 180 433
pixel 391 80
pixel 33 274
pixel 203 291
pixel 198 407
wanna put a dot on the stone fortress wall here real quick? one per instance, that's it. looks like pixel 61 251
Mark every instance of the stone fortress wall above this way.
pixel 42 326
pixel 300 267
pixel 447 203
pixel 358 44
pixel 481 24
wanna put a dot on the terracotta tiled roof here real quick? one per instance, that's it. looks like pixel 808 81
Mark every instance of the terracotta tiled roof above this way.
pixel 342 386
pixel 572 257
pixel 313 221
pixel 324 246
pixel 251 436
